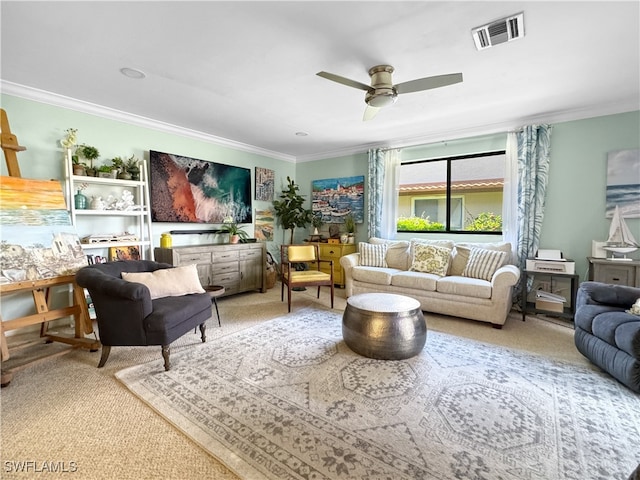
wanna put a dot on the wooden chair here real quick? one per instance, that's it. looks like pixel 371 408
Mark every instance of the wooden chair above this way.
pixel 294 255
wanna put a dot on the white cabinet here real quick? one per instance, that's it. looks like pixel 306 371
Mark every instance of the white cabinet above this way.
pixel 131 220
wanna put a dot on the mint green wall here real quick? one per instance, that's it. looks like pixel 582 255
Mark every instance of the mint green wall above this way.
pixel 40 126
pixel 347 166
pixel 575 202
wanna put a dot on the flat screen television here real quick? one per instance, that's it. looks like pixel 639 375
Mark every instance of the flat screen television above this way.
pixel 189 190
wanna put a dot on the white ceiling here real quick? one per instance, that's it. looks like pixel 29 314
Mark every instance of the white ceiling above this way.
pixel 246 71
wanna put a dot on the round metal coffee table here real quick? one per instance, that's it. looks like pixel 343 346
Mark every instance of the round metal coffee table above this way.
pixel 384 326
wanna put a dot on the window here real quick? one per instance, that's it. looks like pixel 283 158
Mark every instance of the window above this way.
pixel 460 194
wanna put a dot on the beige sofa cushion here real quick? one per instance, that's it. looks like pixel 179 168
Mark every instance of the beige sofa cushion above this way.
pixel 431 259
pixel 460 254
pixel 415 280
pixel 465 286
pixel 397 255
pixel 377 275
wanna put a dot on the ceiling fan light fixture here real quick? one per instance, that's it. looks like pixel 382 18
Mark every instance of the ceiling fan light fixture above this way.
pixel 381 97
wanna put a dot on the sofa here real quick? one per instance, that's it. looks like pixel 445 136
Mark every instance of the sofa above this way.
pixel 461 279
pixel 606 332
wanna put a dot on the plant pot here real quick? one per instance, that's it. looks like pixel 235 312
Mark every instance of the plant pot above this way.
pixel 105 175
pixel 135 173
pixel 234 238
pixel 79 170
pixel 124 175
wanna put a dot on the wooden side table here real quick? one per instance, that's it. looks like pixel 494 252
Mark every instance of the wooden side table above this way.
pixel 617 272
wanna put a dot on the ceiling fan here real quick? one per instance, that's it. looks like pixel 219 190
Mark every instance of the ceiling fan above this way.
pixel 383 92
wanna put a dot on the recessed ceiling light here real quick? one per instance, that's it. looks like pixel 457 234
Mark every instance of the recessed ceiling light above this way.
pixel 132 73
pixel 301 134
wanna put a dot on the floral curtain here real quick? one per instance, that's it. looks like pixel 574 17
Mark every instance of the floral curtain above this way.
pixel 534 147
pixel 383 178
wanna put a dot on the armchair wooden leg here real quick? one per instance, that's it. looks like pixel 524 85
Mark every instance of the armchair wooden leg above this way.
pixel 318 291
pixel 203 327
pixel 106 349
pixel 281 291
pixel 289 296
pixel 332 288
pixel 166 351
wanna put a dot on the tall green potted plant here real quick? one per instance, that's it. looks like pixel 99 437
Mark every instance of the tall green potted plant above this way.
pixel 290 209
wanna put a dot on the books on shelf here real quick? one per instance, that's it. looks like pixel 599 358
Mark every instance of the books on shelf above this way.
pixel 550 301
pixel 551 297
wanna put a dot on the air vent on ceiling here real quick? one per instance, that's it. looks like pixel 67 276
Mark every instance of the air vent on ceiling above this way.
pixel 500 31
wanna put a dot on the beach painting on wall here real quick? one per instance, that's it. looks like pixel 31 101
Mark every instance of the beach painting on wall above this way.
pixel 335 198
pixel 265 221
pixel 38 241
pixel 623 183
pixel 189 190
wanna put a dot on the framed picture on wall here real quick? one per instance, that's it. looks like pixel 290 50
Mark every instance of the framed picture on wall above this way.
pixel 264 184
pixel 623 183
pixel 335 198
pixel 124 253
pixel 189 190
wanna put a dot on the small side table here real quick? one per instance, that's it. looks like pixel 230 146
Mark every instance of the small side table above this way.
pixel 567 312
pixel 214 292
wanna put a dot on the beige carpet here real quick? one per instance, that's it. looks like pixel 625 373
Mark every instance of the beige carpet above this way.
pixel 66 410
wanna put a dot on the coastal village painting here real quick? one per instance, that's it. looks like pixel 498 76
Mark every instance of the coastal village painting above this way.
pixel 38 240
pixel 335 198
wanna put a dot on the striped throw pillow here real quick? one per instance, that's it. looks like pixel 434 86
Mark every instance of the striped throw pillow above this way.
pixel 483 263
pixel 372 255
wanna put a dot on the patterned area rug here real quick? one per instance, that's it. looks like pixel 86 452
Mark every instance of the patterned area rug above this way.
pixel 289 400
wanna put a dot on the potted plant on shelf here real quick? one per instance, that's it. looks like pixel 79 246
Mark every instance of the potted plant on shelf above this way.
pixel 317 223
pixel 132 165
pixel 235 231
pixel 290 210
pixel 78 168
pixel 106 171
pixel 117 164
pixel 350 227
pixel 89 153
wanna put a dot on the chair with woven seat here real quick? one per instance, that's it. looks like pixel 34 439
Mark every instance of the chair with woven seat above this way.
pixel 293 256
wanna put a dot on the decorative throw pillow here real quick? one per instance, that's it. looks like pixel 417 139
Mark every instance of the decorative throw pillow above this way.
pixel 459 259
pixel 168 282
pixel 483 263
pixel 635 308
pixel 430 259
pixel 372 255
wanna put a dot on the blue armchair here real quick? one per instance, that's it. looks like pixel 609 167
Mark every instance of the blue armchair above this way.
pixel 606 334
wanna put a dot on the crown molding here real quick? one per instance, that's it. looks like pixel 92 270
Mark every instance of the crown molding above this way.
pixel 49 98
pixel 488 129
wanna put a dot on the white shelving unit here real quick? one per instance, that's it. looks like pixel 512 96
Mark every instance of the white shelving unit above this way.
pixel 112 221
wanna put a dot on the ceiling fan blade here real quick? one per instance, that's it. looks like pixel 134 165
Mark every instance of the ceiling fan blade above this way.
pixel 428 83
pixel 344 81
pixel 369 113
